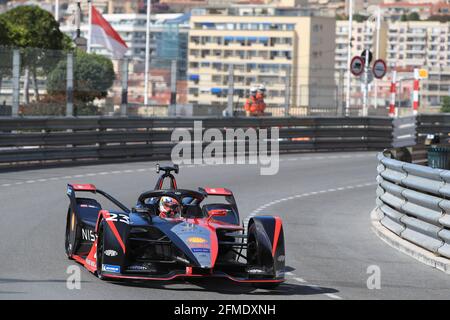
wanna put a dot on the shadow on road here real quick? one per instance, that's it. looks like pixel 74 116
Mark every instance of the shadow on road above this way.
pixel 225 286
pixel 5 280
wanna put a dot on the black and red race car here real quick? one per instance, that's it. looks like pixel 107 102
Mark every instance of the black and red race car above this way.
pixel 205 240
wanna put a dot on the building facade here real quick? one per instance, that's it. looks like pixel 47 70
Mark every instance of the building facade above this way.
pixel 404 46
pixel 265 45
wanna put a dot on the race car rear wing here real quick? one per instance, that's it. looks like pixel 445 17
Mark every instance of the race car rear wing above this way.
pixel 229 197
pixel 216 191
pixel 79 187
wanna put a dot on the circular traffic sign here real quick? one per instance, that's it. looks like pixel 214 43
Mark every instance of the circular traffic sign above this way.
pixel 363 55
pixel 379 69
pixel 357 66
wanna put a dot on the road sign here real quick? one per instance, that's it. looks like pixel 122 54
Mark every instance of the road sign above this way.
pixel 363 55
pixel 357 66
pixel 379 69
pixel 423 74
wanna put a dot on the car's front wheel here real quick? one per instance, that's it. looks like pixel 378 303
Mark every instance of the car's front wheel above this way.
pixel 100 249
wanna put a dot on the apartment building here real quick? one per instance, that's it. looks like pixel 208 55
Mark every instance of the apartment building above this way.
pixel 404 46
pixel 266 45
pixel 423 44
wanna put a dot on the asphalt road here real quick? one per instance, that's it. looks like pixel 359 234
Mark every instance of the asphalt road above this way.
pixel 324 200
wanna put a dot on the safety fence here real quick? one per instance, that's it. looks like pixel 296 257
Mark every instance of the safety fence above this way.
pixel 39 141
pixel 413 202
pixel 39 82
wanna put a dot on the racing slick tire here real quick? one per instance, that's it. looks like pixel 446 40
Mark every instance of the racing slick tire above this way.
pixel 71 233
pixel 253 258
pixel 100 249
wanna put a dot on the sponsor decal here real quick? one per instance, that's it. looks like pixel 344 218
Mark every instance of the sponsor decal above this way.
pixel 281 258
pixel 204 250
pixel 110 268
pixel 91 263
pixel 254 271
pixel 88 234
pixel 111 253
pixel 196 240
pixel 144 267
pixel 88 206
pixel 138 268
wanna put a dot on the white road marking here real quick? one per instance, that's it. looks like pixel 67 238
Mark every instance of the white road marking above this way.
pixel 273 202
pixel 315 287
pixel 333 296
pixel 189 166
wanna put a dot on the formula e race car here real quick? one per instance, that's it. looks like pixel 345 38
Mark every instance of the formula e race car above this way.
pixel 204 240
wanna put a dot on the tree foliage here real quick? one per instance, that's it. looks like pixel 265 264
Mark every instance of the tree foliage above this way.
pixel 445 104
pixel 36 32
pixel 413 16
pixel 5 37
pixel 93 77
pixel 359 17
pixel 441 18
pixel 33 27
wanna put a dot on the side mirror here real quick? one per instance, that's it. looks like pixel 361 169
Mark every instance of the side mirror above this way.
pixel 217 213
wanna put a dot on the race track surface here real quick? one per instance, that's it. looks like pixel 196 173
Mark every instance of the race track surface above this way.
pixel 324 200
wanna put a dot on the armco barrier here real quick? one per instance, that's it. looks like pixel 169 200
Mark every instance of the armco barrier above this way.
pixel 48 140
pixel 412 202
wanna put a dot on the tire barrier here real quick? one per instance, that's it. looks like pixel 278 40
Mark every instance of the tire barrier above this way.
pixel 412 202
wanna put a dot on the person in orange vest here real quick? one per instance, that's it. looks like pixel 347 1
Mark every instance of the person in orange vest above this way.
pixel 260 95
pixel 251 105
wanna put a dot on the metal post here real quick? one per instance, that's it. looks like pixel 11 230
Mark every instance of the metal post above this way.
pixel 340 110
pixel 124 105
pixel 366 76
pixel 416 92
pixel 147 52
pixel 400 99
pixel 173 83
pixel 287 91
pixel 393 91
pixel 377 54
pixel 16 83
pixel 69 85
pixel 57 10
pixel 230 90
pixel 89 40
pixel 349 57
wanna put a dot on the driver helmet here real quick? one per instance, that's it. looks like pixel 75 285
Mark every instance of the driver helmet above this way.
pixel 253 90
pixel 262 88
pixel 169 207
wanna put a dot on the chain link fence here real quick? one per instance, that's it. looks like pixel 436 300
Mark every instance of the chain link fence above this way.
pixel 37 82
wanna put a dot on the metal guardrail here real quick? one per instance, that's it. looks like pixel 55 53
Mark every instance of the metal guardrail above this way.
pixel 48 140
pixel 412 202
